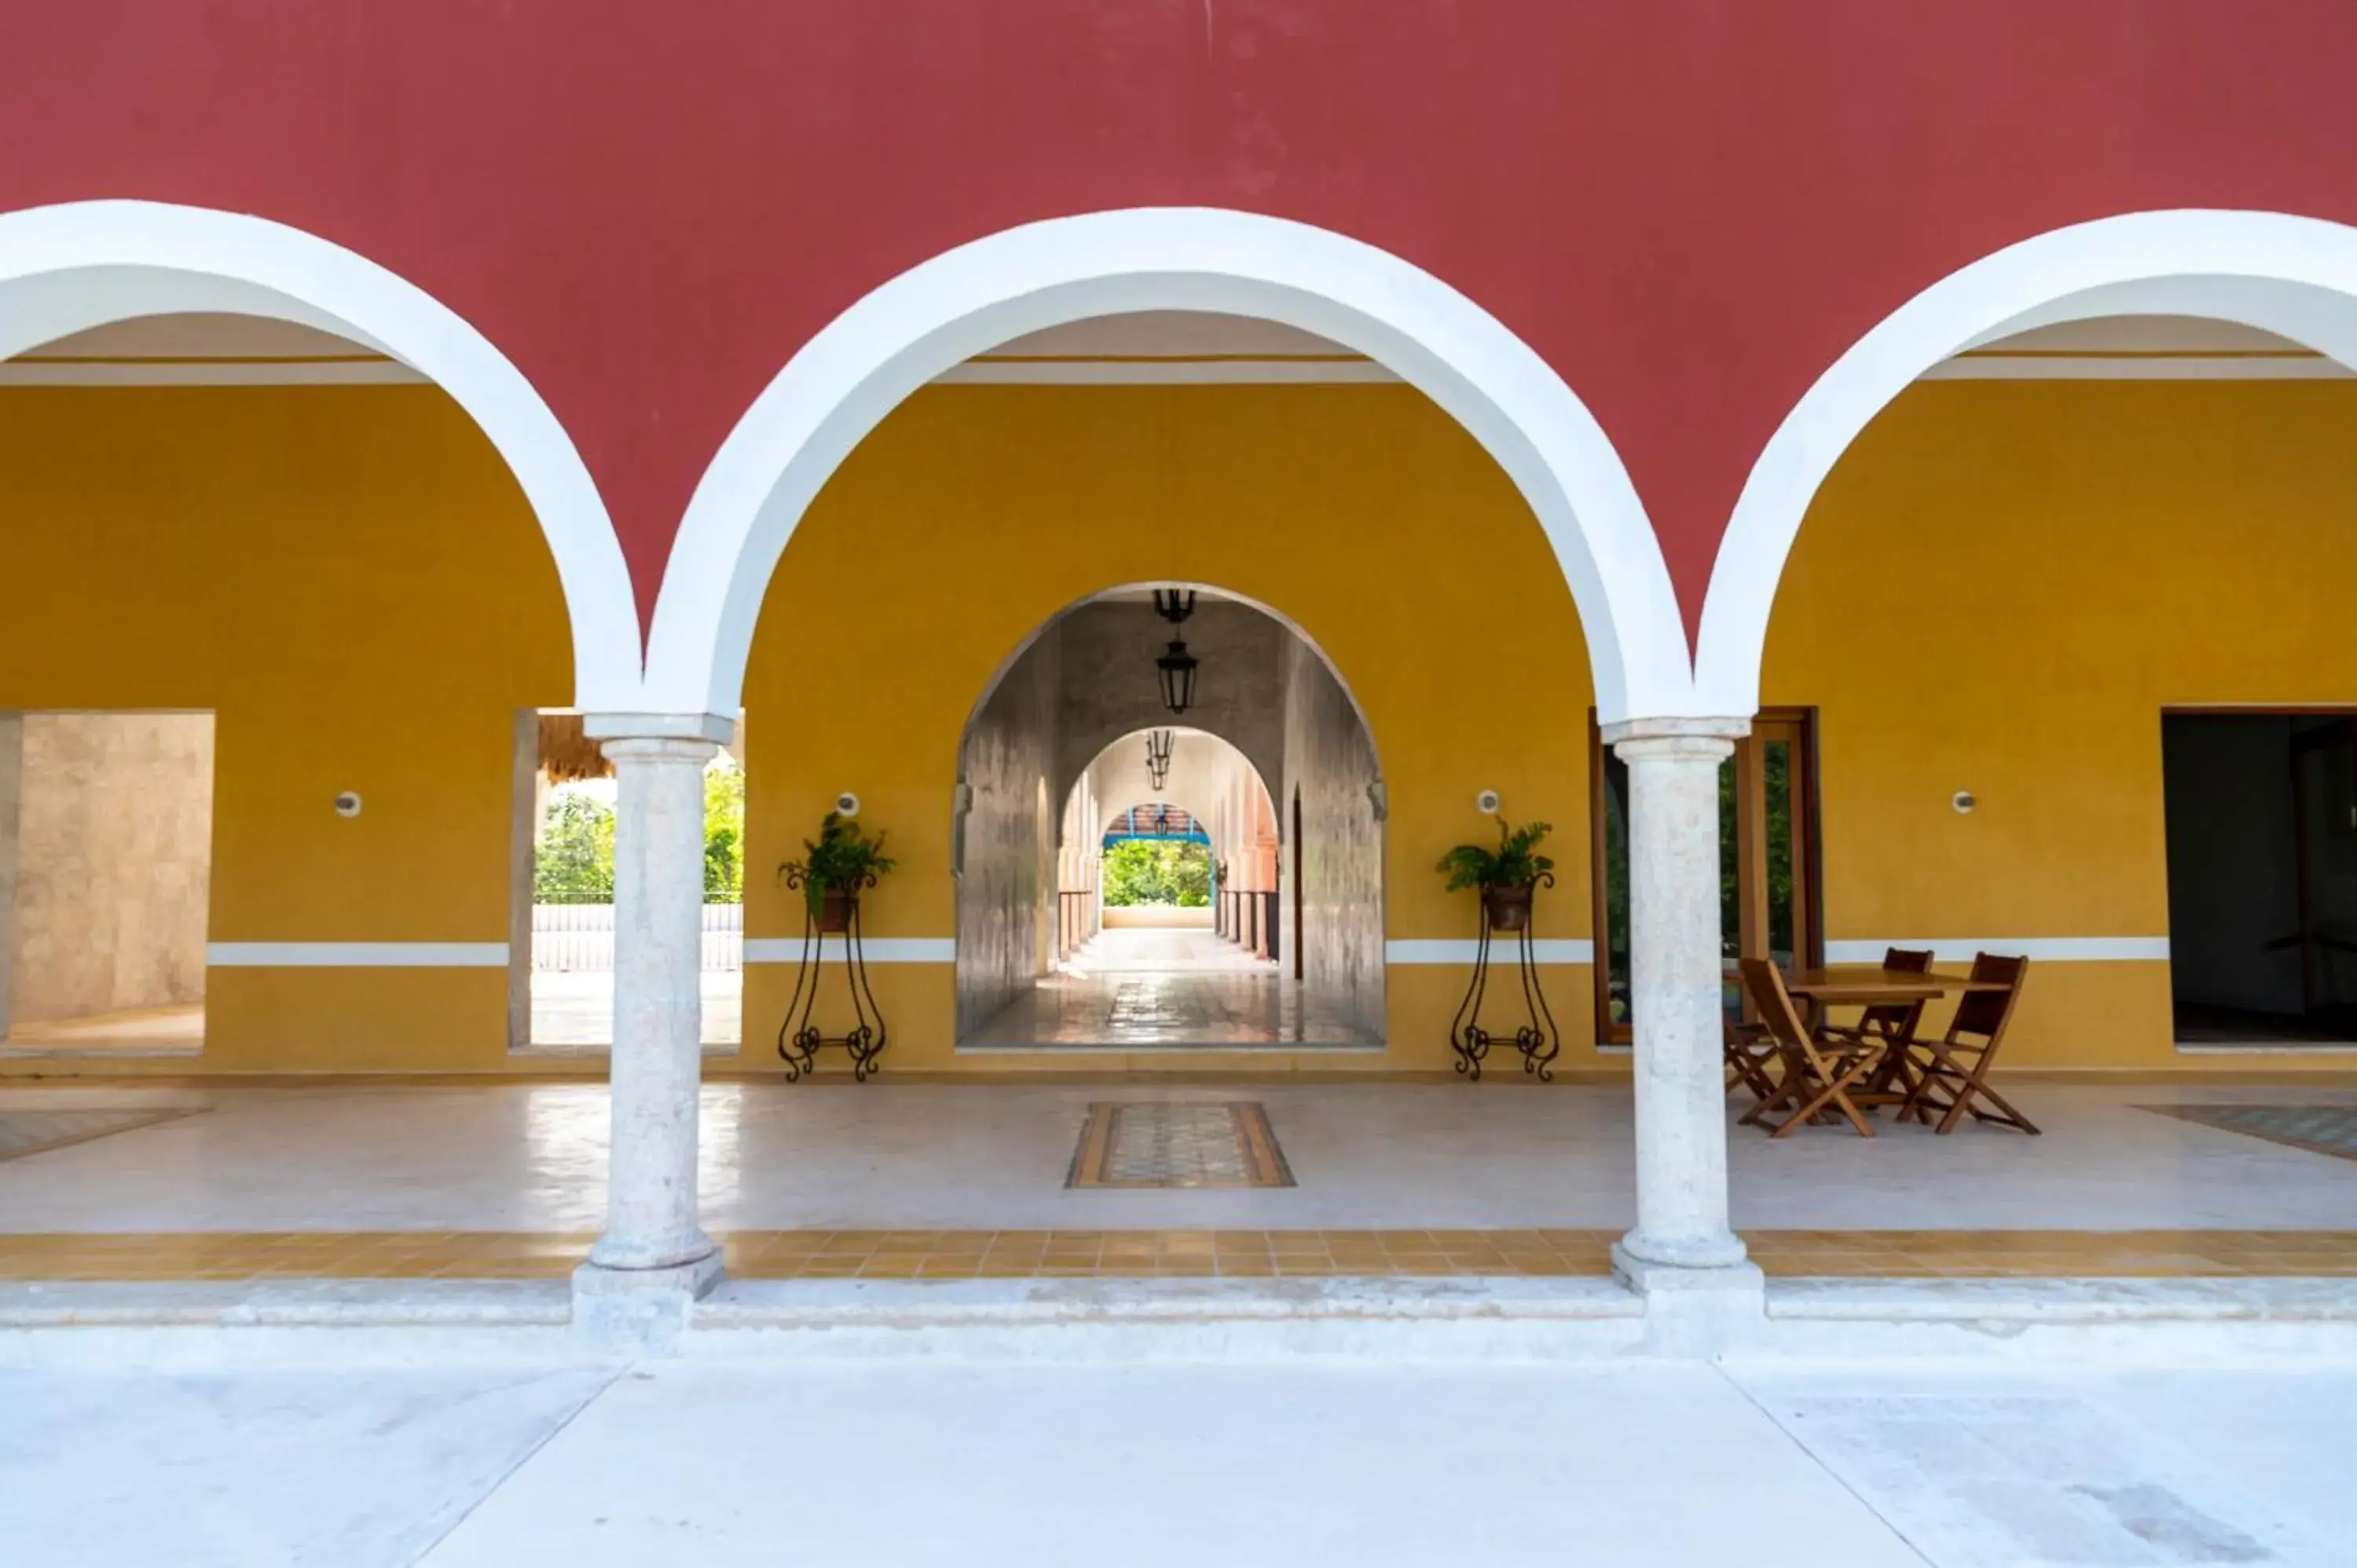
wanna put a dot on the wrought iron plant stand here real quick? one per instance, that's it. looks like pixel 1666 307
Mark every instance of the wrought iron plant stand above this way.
pixel 799 1039
pixel 1538 1040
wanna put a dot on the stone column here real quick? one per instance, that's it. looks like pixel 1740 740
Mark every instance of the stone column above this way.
pixel 654 1258
pixel 1682 1242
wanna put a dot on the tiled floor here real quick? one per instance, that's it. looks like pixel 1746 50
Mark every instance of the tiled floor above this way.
pixel 1158 1143
pixel 1155 990
pixel 2320 1129
pixel 1134 1255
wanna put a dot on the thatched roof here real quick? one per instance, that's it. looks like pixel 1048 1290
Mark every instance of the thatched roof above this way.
pixel 566 754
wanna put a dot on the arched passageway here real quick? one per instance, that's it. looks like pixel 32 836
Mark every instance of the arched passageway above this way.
pixel 1082 926
pixel 2052 565
pixel 297 553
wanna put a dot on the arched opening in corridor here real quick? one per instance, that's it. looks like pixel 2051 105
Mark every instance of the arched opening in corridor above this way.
pixel 298 552
pixel 2056 558
pixel 1167 900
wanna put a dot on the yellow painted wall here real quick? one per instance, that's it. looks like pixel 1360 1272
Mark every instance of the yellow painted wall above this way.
pixel 1999 589
pixel 973 514
pixel 349 579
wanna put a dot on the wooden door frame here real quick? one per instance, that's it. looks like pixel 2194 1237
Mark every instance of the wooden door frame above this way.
pixel 1750 798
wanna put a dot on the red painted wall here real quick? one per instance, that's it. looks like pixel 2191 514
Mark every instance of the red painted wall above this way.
pixel 1689 207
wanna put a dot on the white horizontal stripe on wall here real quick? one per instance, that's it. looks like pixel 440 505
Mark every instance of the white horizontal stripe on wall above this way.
pixel 357 372
pixel 356 955
pixel 2060 950
pixel 1164 373
pixel 1503 950
pixel 2002 366
pixel 876 949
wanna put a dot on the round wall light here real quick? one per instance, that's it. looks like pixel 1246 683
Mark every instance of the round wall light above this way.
pixel 1963 801
pixel 1487 802
pixel 347 804
pixel 846 804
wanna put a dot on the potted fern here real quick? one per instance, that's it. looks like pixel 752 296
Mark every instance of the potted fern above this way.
pixel 1506 875
pixel 835 868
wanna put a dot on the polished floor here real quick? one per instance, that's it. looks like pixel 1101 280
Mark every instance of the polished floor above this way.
pixel 1148 989
pixel 988 1158
pixel 1377 1466
pixel 573 1010
pixel 175 1031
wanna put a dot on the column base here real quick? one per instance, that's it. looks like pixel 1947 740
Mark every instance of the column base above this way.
pixel 639 1312
pixel 1690 1312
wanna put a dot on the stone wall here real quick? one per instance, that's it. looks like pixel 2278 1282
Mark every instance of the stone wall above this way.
pixel 1005 854
pixel 1329 762
pixel 111 849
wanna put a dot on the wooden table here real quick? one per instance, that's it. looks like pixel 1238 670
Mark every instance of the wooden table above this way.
pixel 1869 984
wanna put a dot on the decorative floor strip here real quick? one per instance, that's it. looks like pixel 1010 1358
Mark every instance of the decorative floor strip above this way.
pixel 35 1132
pixel 1143 1254
pixel 1164 1144
pixel 2320 1129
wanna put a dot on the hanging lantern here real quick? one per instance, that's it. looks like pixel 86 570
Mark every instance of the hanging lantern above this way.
pixel 1176 668
pixel 1177 671
pixel 1157 758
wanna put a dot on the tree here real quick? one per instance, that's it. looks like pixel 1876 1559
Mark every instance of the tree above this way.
pixel 1157 871
pixel 724 833
pixel 575 862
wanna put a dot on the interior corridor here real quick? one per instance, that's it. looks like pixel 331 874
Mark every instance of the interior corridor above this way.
pixel 1167 988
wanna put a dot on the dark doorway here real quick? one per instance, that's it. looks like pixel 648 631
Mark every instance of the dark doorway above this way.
pixel 2262 834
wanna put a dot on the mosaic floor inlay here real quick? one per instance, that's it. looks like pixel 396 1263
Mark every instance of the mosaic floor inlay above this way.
pixel 2318 1129
pixel 1162 1143
pixel 1151 1254
pixel 24 1133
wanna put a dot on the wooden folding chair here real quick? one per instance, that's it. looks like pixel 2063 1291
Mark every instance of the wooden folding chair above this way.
pixel 1818 1073
pixel 1890 1027
pixel 1748 1054
pixel 1948 1084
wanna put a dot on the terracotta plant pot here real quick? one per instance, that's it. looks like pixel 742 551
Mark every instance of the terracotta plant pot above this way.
pixel 835 912
pixel 1509 908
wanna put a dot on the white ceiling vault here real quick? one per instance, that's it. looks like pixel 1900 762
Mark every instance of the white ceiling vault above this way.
pixel 1147 348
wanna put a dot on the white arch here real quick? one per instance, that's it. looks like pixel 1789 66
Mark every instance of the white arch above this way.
pixel 70 267
pixel 847 377
pixel 2294 276
pixel 1128 781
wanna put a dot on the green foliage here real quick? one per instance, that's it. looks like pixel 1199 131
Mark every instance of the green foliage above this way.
pixel 575 862
pixel 1510 864
pixel 842 856
pixel 724 835
pixel 1157 871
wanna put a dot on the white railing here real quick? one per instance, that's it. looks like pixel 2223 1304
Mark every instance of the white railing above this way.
pixel 581 937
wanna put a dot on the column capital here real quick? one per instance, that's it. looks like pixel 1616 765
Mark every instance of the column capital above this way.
pixel 717 729
pixel 658 748
pixel 1725 729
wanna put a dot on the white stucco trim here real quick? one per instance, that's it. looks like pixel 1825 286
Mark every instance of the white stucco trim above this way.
pixel 356 955
pixel 372 371
pixel 2293 276
pixel 944 311
pixel 68 268
pixel 876 949
pixel 2049 949
pixel 1503 950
